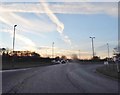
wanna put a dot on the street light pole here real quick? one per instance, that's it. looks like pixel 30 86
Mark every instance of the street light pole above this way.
pixel 93 46
pixel 13 45
pixel 108 50
pixel 79 53
pixel 14 38
pixel 53 50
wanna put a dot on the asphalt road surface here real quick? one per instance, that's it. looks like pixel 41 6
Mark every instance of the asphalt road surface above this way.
pixel 61 78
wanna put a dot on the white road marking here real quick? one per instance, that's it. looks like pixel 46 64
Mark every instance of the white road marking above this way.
pixel 14 70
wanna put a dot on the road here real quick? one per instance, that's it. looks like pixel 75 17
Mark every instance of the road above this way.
pixel 61 78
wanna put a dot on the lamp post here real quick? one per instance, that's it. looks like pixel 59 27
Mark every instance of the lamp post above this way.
pixel 53 50
pixel 13 45
pixel 79 53
pixel 14 38
pixel 108 50
pixel 93 46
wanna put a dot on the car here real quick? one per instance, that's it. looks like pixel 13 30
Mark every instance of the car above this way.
pixel 60 61
pixel 56 61
pixel 63 61
pixel 53 61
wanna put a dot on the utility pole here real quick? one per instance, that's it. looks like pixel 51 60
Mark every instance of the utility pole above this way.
pixel 79 53
pixel 93 46
pixel 53 50
pixel 46 53
pixel 117 59
pixel 13 45
pixel 14 38
pixel 108 50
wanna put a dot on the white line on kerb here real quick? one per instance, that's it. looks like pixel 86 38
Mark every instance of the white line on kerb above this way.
pixel 14 70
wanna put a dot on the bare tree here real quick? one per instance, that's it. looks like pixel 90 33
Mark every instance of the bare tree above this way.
pixel 63 57
pixel 74 56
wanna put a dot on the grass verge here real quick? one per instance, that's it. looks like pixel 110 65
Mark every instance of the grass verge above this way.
pixel 20 65
pixel 109 70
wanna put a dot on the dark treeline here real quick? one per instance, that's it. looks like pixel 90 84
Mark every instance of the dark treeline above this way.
pixel 6 58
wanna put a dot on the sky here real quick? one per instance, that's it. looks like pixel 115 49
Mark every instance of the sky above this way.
pixel 68 24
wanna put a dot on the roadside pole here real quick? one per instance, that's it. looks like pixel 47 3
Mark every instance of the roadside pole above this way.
pixel 118 67
pixel 13 59
pixel 117 62
pixel 108 56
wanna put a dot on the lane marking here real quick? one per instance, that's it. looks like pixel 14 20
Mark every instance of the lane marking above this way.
pixel 14 70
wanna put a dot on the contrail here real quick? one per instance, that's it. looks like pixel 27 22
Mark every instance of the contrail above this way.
pixel 55 20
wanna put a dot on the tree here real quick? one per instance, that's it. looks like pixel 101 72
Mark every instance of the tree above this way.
pixel 35 54
pixel 57 58
pixel 74 56
pixel 96 58
pixel 63 57
pixel 2 50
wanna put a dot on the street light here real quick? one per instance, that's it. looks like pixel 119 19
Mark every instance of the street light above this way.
pixel 53 50
pixel 108 50
pixel 13 45
pixel 14 38
pixel 93 46
pixel 79 53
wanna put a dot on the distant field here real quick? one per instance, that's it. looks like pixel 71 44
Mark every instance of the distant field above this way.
pixel 109 70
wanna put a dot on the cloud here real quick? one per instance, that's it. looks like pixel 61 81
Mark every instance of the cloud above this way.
pixel 66 39
pixel 108 8
pixel 44 47
pixel 9 15
pixel 25 25
pixel 57 22
pixel 62 1
pixel 47 51
pixel 82 0
pixel 25 42
pixel 11 18
pixel 28 25
pixel 53 18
